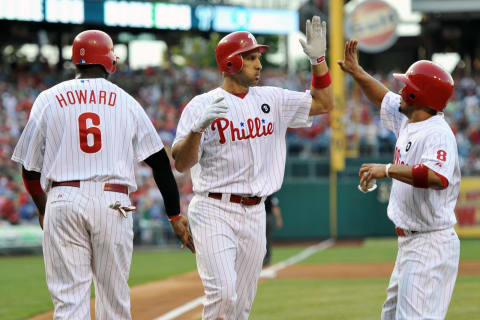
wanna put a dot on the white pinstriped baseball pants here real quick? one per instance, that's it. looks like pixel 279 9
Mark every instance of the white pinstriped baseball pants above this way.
pixel 83 240
pixel 230 246
pixel 424 276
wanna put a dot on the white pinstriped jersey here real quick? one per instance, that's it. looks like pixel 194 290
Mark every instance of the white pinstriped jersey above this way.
pixel 245 152
pixel 86 129
pixel 432 143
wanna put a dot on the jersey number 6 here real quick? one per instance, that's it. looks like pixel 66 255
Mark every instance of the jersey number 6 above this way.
pixel 84 132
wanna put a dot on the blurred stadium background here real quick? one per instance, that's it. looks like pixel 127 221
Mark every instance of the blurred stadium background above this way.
pixel 166 52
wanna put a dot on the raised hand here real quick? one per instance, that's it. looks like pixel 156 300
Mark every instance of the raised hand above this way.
pixel 316 44
pixel 349 63
pixel 217 109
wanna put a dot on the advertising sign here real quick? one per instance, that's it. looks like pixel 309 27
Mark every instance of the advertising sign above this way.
pixel 266 21
pixel 468 208
pixel 373 23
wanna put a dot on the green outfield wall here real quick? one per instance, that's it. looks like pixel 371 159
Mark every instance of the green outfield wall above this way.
pixel 304 201
pixel 305 210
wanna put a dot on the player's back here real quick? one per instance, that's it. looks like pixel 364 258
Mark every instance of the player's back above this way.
pixel 89 127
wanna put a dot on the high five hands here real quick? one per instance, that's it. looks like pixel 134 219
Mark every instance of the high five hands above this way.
pixel 349 64
pixel 316 44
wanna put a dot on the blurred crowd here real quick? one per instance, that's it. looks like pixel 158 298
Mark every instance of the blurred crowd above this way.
pixel 165 92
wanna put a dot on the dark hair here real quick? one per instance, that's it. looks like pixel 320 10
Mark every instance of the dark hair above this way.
pixel 431 111
pixel 88 67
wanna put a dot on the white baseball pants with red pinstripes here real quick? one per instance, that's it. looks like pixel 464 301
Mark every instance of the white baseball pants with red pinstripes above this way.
pixel 230 246
pixel 424 276
pixel 83 240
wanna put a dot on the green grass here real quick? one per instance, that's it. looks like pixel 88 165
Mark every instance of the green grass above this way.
pixel 150 266
pixel 336 299
pixel 465 304
pixel 319 299
pixel 470 249
pixel 23 290
pixel 381 250
pixel 352 299
pixel 282 253
pixel 24 293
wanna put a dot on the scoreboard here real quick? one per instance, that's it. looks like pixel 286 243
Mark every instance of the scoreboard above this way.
pixel 152 15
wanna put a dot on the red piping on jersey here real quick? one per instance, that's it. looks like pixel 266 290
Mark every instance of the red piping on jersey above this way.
pixel 240 95
pixel 444 180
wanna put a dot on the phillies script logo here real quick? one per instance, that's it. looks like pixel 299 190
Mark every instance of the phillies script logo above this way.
pixel 256 128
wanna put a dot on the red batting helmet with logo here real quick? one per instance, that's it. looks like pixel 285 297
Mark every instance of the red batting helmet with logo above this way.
pixel 94 47
pixel 230 48
pixel 426 85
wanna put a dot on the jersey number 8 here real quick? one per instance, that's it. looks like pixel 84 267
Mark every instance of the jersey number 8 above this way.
pixel 441 155
pixel 84 132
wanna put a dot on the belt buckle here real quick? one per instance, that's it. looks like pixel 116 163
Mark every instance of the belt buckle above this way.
pixel 242 200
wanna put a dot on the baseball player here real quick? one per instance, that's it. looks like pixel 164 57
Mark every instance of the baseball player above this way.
pixel 425 186
pixel 233 139
pixel 77 152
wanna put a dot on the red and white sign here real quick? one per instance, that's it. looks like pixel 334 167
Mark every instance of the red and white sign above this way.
pixel 373 23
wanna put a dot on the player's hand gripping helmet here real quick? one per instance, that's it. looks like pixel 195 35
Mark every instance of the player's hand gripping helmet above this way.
pixel 230 48
pixel 94 47
pixel 426 85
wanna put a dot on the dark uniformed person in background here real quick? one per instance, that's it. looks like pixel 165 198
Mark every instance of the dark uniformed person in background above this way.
pixel 274 217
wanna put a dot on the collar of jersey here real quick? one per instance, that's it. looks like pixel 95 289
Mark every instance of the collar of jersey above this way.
pixel 238 95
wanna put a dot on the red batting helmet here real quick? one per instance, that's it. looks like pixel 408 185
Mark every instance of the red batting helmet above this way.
pixel 230 48
pixel 426 85
pixel 94 47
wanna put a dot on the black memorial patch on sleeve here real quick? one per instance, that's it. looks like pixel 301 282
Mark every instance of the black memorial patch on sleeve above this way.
pixel 265 108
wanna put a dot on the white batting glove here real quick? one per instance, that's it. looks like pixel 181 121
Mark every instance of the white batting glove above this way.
pixel 316 44
pixel 218 109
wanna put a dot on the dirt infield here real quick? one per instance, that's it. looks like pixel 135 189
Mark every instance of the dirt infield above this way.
pixel 154 299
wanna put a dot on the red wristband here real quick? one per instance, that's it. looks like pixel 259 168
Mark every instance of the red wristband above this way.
pixel 174 217
pixel 33 187
pixel 320 82
pixel 420 176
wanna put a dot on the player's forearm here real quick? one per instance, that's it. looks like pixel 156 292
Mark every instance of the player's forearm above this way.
pixel 31 180
pixel 163 176
pixel 404 173
pixel 40 202
pixel 401 172
pixel 185 152
pixel 322 98
pixel 373 89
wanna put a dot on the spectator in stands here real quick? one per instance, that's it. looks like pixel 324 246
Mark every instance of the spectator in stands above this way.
pixel 159 91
